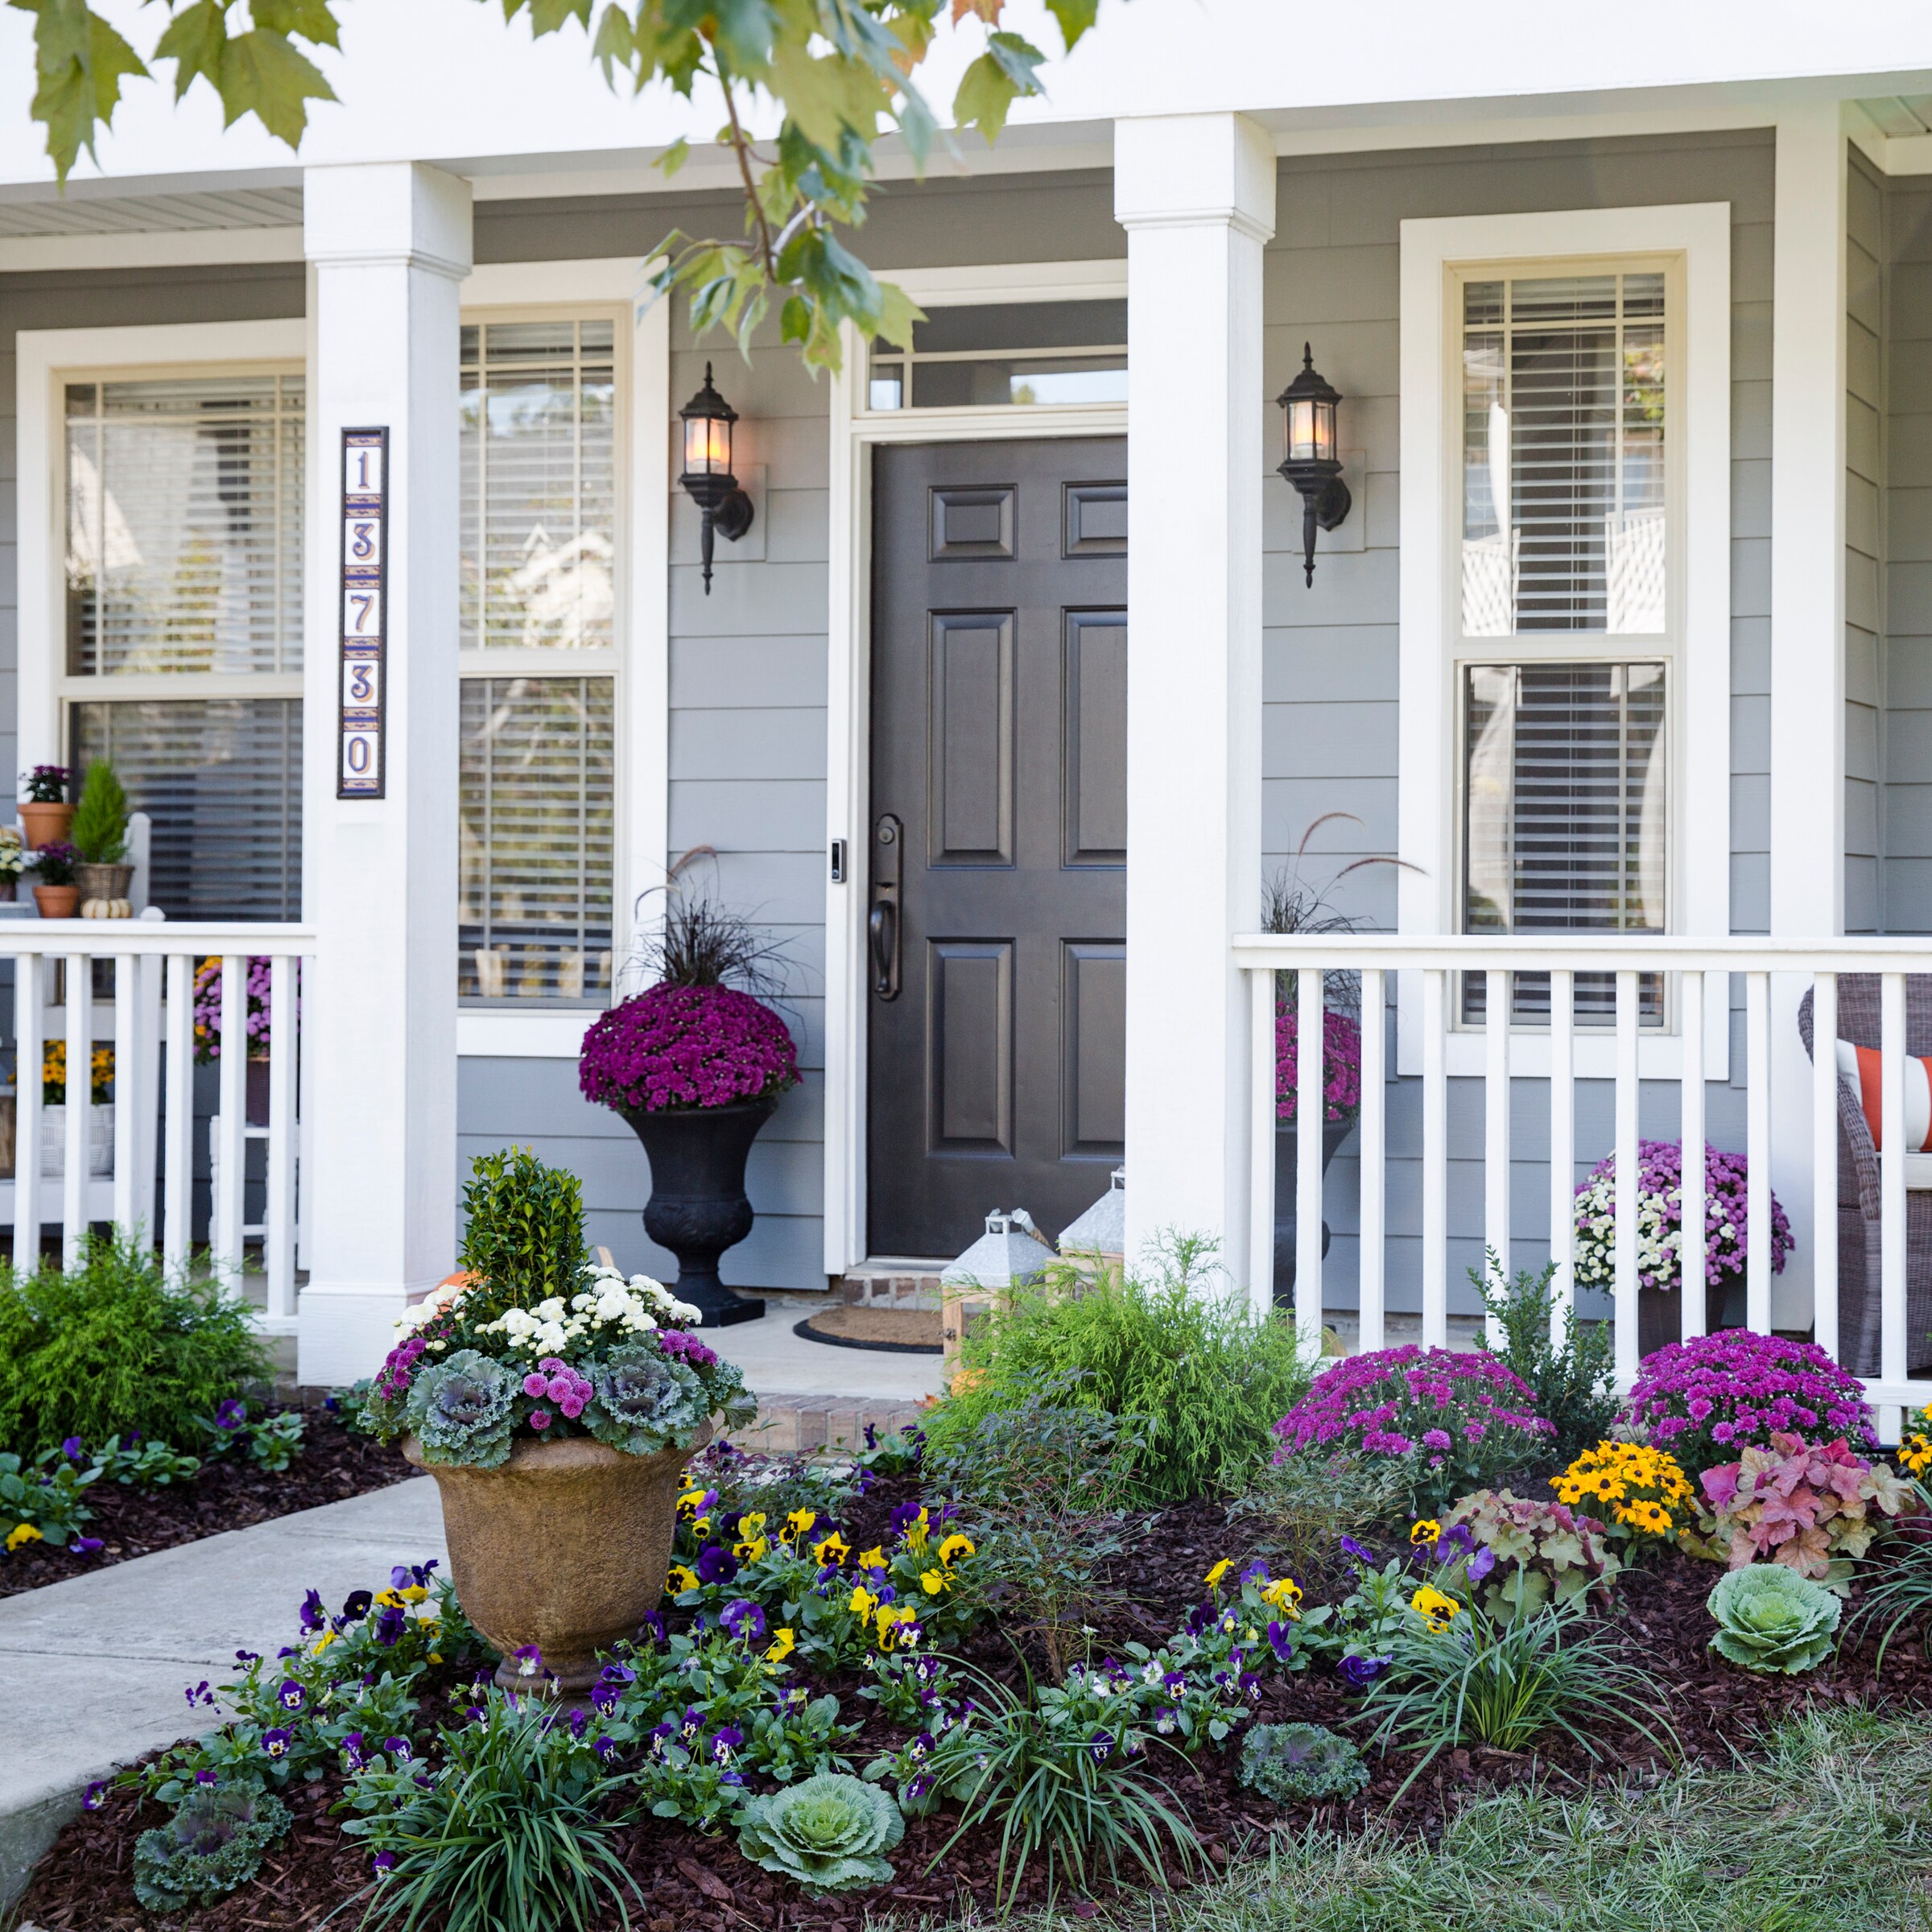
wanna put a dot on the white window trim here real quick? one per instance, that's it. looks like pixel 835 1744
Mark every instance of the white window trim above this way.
pixel 503 291
pixel 855 431
pixel 1699 232
pixel 47 358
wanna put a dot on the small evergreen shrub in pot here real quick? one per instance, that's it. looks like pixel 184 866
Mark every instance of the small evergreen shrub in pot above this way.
pixel 1453 1422
pixel 695 1067
pixel 553 1402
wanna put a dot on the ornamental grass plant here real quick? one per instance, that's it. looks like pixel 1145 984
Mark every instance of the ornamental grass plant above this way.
pixel 117 1345
pixel 1178 1347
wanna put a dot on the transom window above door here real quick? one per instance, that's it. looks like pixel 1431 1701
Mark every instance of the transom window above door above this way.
pixel 1564 474
pixel 1004 355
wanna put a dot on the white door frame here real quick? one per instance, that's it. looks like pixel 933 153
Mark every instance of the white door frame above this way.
pixel 855 431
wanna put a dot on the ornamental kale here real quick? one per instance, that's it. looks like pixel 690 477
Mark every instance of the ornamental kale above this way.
pixel 213 1843
pixel 686 1046
pixel 1341 1065
pixel 1706 1399
pixel 643 1400
pixel 462 1410
pixel 1457 1421
pixel 1660 1219
pixel 826 1833
pixel 1538 1551
pixel 1770 1618
pixel 1289 1761
pixel 1812 1509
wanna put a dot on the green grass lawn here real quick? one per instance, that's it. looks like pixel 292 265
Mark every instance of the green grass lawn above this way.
pixel 1825 1826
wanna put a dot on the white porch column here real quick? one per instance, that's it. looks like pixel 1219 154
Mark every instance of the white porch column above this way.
pixel 390 244
pixel 1196 193
pixel 1807 631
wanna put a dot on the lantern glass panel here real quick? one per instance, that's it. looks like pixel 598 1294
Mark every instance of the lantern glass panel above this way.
pixel 1301 430
pixel 707 446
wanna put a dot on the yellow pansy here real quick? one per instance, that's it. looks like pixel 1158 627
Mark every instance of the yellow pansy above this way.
pixel 329 1637
pixel 874 1558
pixel 388 1600
pixel 415 1594
pixel 833 1549
pixel 916 1532
pixel 750 1552
pixel 896 1623
pixel 1435 1609
pixel 1427 1531
pixel 863 1603
pixel 932 1582
pixel 1220 1570
pixel 799 1522
pixel 955 1547
pixel 22 1533
pixel 782 1645
pixel 1285 1595
pixel 681 1579
pixel 750 1524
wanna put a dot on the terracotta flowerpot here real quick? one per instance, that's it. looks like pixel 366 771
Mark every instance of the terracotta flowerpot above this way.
pixel 57 901
pixel 44 824
pixel 566 1546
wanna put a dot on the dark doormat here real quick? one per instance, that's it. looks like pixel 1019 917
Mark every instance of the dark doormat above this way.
pixel 890 1331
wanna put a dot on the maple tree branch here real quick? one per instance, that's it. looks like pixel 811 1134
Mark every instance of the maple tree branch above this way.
pixel 741 147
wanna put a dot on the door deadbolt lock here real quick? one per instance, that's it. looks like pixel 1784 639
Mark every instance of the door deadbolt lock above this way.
pixel 882 920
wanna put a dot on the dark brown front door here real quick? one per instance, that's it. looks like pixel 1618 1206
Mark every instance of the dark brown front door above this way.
pixel 998 836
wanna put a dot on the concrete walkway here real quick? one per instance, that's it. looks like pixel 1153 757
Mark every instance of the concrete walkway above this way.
pixel 91 1670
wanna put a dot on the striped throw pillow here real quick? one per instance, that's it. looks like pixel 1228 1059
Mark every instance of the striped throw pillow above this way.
pixel 1859 1067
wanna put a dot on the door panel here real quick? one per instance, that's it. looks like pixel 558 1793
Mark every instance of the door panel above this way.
pixel 999 668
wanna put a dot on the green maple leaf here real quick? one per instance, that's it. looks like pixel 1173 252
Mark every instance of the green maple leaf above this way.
pixel 302 19
pixel 79 63
pixel 1005 73
pixel 266 75
pixel 1074 17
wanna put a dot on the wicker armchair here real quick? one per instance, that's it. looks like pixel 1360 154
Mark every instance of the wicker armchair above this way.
pixel 1858 1187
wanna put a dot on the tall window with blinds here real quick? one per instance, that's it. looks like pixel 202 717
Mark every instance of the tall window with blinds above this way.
pixel 183 647
pixel 1565 586
pixel 539 655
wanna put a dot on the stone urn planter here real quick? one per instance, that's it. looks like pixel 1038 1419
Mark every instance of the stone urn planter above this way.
pixel 1334 1132
pixel 566 1545
pixel 698 1207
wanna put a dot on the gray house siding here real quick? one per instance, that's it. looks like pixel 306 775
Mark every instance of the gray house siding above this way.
pixel 1331 278
pixel 1864 575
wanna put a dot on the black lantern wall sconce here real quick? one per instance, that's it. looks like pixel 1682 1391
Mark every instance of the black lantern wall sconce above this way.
pixel 1313 462
pixel 707 480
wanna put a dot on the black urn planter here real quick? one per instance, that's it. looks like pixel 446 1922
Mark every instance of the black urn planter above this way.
pixel 697 1207
pixel 1334 1132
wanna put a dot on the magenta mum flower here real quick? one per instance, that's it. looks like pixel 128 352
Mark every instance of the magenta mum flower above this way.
pixel 686 1046
pixel 1341 1065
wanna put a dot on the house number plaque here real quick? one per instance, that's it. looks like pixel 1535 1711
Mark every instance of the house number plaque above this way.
pixel 364 612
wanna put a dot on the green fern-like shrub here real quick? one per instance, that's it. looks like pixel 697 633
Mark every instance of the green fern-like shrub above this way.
pixel 99 832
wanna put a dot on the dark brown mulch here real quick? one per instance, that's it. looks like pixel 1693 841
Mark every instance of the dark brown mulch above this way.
pixel 231 1494
pixel 697 1885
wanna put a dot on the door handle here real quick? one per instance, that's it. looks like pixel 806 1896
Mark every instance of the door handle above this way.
pixel 882 921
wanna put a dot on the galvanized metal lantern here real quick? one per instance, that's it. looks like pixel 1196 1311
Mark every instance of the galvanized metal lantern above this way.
pixel 1312 461
pixel 1010 1254
pixel 706 478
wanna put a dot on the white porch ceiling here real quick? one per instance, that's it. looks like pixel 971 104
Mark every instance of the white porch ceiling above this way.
pixel 94 214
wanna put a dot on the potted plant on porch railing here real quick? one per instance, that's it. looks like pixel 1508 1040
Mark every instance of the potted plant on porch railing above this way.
pixel 695 1067
pixel 54 1085
pixel 99 837
pixel 555 1403
pixel 45 813
pixel 257 1025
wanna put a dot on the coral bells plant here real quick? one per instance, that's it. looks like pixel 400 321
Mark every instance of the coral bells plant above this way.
pixel 683 1046
pixel 1812 1509
pixel 1706 1399
pixel 1341 1065
pixel 1660 1219
pixel 1457 1421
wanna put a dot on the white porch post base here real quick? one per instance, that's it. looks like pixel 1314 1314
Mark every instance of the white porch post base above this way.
pixel 1196 193
pixel 389 245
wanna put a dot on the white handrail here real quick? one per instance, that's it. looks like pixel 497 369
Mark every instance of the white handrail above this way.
pixel 1421 1242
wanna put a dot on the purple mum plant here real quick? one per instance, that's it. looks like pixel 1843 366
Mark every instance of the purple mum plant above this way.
pixel 1707 1400
pixel 1459 1421
pixel 1660 1219
pixel 1341 1065
pixel 687 1047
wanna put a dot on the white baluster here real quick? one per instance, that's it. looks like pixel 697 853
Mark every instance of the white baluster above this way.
pixel 1261 1140
pixel 230 1158
pixel 130 1090
pixel 1496 989
pixel 279 1235
pixel 1435 1162
pixel 1757 1152
pixel 1629 1179
pixel 29 1018
pixel 1563 1144
pixel 1310 1107
pixel 1374 1146
pixel 1892 1346
pixel 74 1180
pixel 1690 1241
pixel 178 1157
pixel 1824 1162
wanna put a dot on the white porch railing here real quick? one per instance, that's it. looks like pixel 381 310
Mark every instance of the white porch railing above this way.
pixel 1426 970
pixel 150 1023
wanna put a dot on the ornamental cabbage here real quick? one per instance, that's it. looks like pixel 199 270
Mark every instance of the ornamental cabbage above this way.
pixel 1770 1618
pixel 462 1410
pixel 213 1843
pixel 1812 1509
pixel 827 1833
pixel 644 1400
pixel 1289 1761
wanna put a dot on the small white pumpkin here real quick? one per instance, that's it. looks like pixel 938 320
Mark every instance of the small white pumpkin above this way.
pixel 108 909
